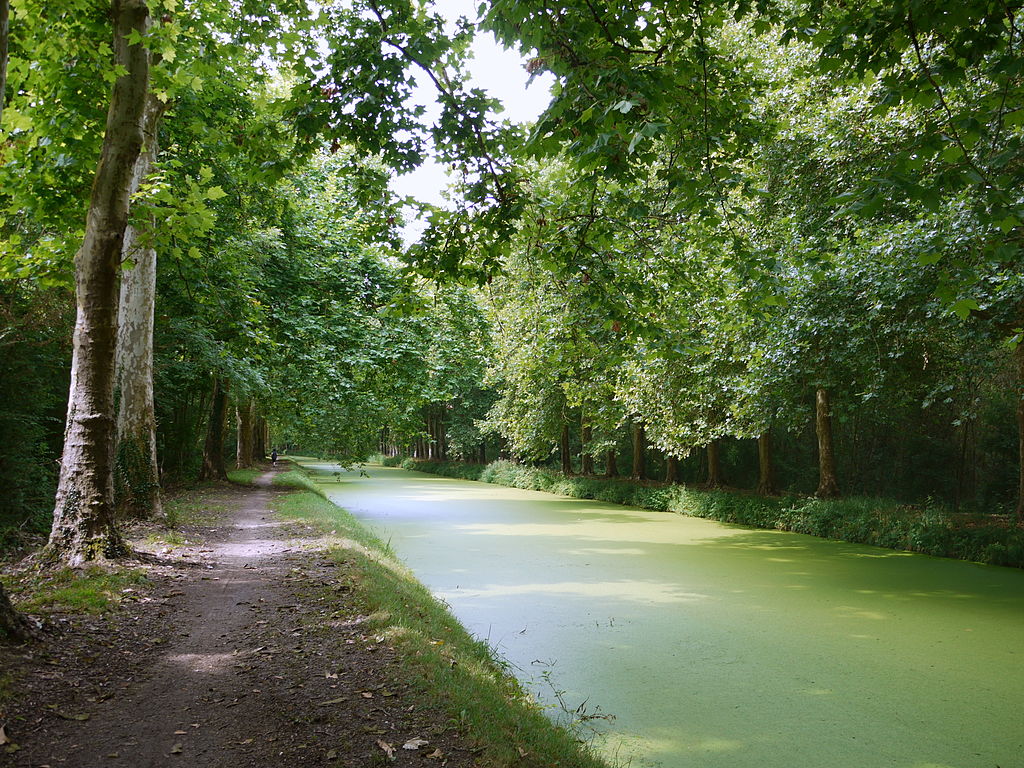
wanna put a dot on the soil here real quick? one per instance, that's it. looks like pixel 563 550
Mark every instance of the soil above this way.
pixel 243 647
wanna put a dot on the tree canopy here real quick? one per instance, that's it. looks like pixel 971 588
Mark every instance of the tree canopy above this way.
pixel 735 224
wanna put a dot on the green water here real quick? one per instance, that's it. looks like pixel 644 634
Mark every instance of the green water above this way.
pixel 714 645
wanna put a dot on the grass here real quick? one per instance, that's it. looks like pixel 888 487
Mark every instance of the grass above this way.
pixel 192 507
pixel 245 476
pixel 927 529
pixel 452 670
pixel 91 590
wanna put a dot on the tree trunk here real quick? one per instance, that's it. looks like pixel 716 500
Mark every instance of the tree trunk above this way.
pixel 766 469
pixel 137 480
pixel 611 463
pixel 442 438
pixel 563 450
pixel 213 450
pixel 5 12
pixel 639 452
pixel 14 628
pixel 828 486
pixel 586 457
pixel 259 439
pixel 483 451
pixel 244 420
pixel 715 478
pixel 1018 357
pixel 83 516
pixel 672 469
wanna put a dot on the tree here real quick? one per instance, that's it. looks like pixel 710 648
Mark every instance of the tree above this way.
pixel 137 475
pixel 83 522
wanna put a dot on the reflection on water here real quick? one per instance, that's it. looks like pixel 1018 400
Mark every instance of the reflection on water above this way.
pixel 716 645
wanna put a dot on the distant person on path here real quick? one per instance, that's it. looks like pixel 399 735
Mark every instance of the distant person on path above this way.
pixel 273 457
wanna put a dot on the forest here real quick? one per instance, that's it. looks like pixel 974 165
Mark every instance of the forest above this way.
pixel 772 246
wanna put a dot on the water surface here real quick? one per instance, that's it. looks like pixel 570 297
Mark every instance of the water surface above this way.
pixel 714 645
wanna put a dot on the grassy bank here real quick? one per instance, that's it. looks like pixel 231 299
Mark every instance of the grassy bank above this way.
pixel 451 669
pixel 878 522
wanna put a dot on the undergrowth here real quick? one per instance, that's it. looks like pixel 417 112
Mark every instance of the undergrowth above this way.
pixel 929 529
pixel 451 669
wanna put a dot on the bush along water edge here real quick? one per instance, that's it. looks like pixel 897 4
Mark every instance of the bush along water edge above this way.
pixel 926 529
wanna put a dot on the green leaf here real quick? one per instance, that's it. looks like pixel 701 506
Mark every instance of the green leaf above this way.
pixel 963 307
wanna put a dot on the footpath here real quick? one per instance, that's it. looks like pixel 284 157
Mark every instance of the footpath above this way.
pixel 239 647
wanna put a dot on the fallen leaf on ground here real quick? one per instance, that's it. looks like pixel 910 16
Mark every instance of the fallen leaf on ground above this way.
pixel 180 733
pixel 332 754
pixel 367 695
pixel 3 735
pixel 332 701
pixel 437 754
pixel 176 749
pixel 65 716
pixel 388 749
pixel 415 743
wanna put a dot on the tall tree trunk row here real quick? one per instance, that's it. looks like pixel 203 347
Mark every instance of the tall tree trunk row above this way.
pixel 586 457
pixel 83 517
pixel 563 450
pixel 611 463
pixel 766 469
pixel 213 449
pixel 1018 358
pixel 828 485
pixel 137 480
pixel 245 432
pixel 715 477
pixel 639 452
pixel 672 469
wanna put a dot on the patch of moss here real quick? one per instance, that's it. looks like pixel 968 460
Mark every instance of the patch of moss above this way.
pixel 90 590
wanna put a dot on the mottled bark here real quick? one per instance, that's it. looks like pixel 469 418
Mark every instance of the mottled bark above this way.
pixel 14 628
pixel 563 450
pixel 766 468
pixel 639 452
pixel 83 517
pixel 672 469
pixel 213 450
pixel 611 463
pixel 828 485
pixel 244 443
pixel 137 479
pixel 586 457
pixel 715 477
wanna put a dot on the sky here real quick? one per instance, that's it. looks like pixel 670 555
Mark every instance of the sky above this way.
pixel 499 72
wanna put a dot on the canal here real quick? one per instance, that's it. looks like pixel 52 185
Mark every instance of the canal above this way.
pixel 685 642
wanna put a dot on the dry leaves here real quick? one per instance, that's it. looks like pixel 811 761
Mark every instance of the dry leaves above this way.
pixel 388 749
pixel 415 743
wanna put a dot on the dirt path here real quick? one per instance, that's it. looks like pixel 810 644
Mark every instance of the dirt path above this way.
pixel 244 654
